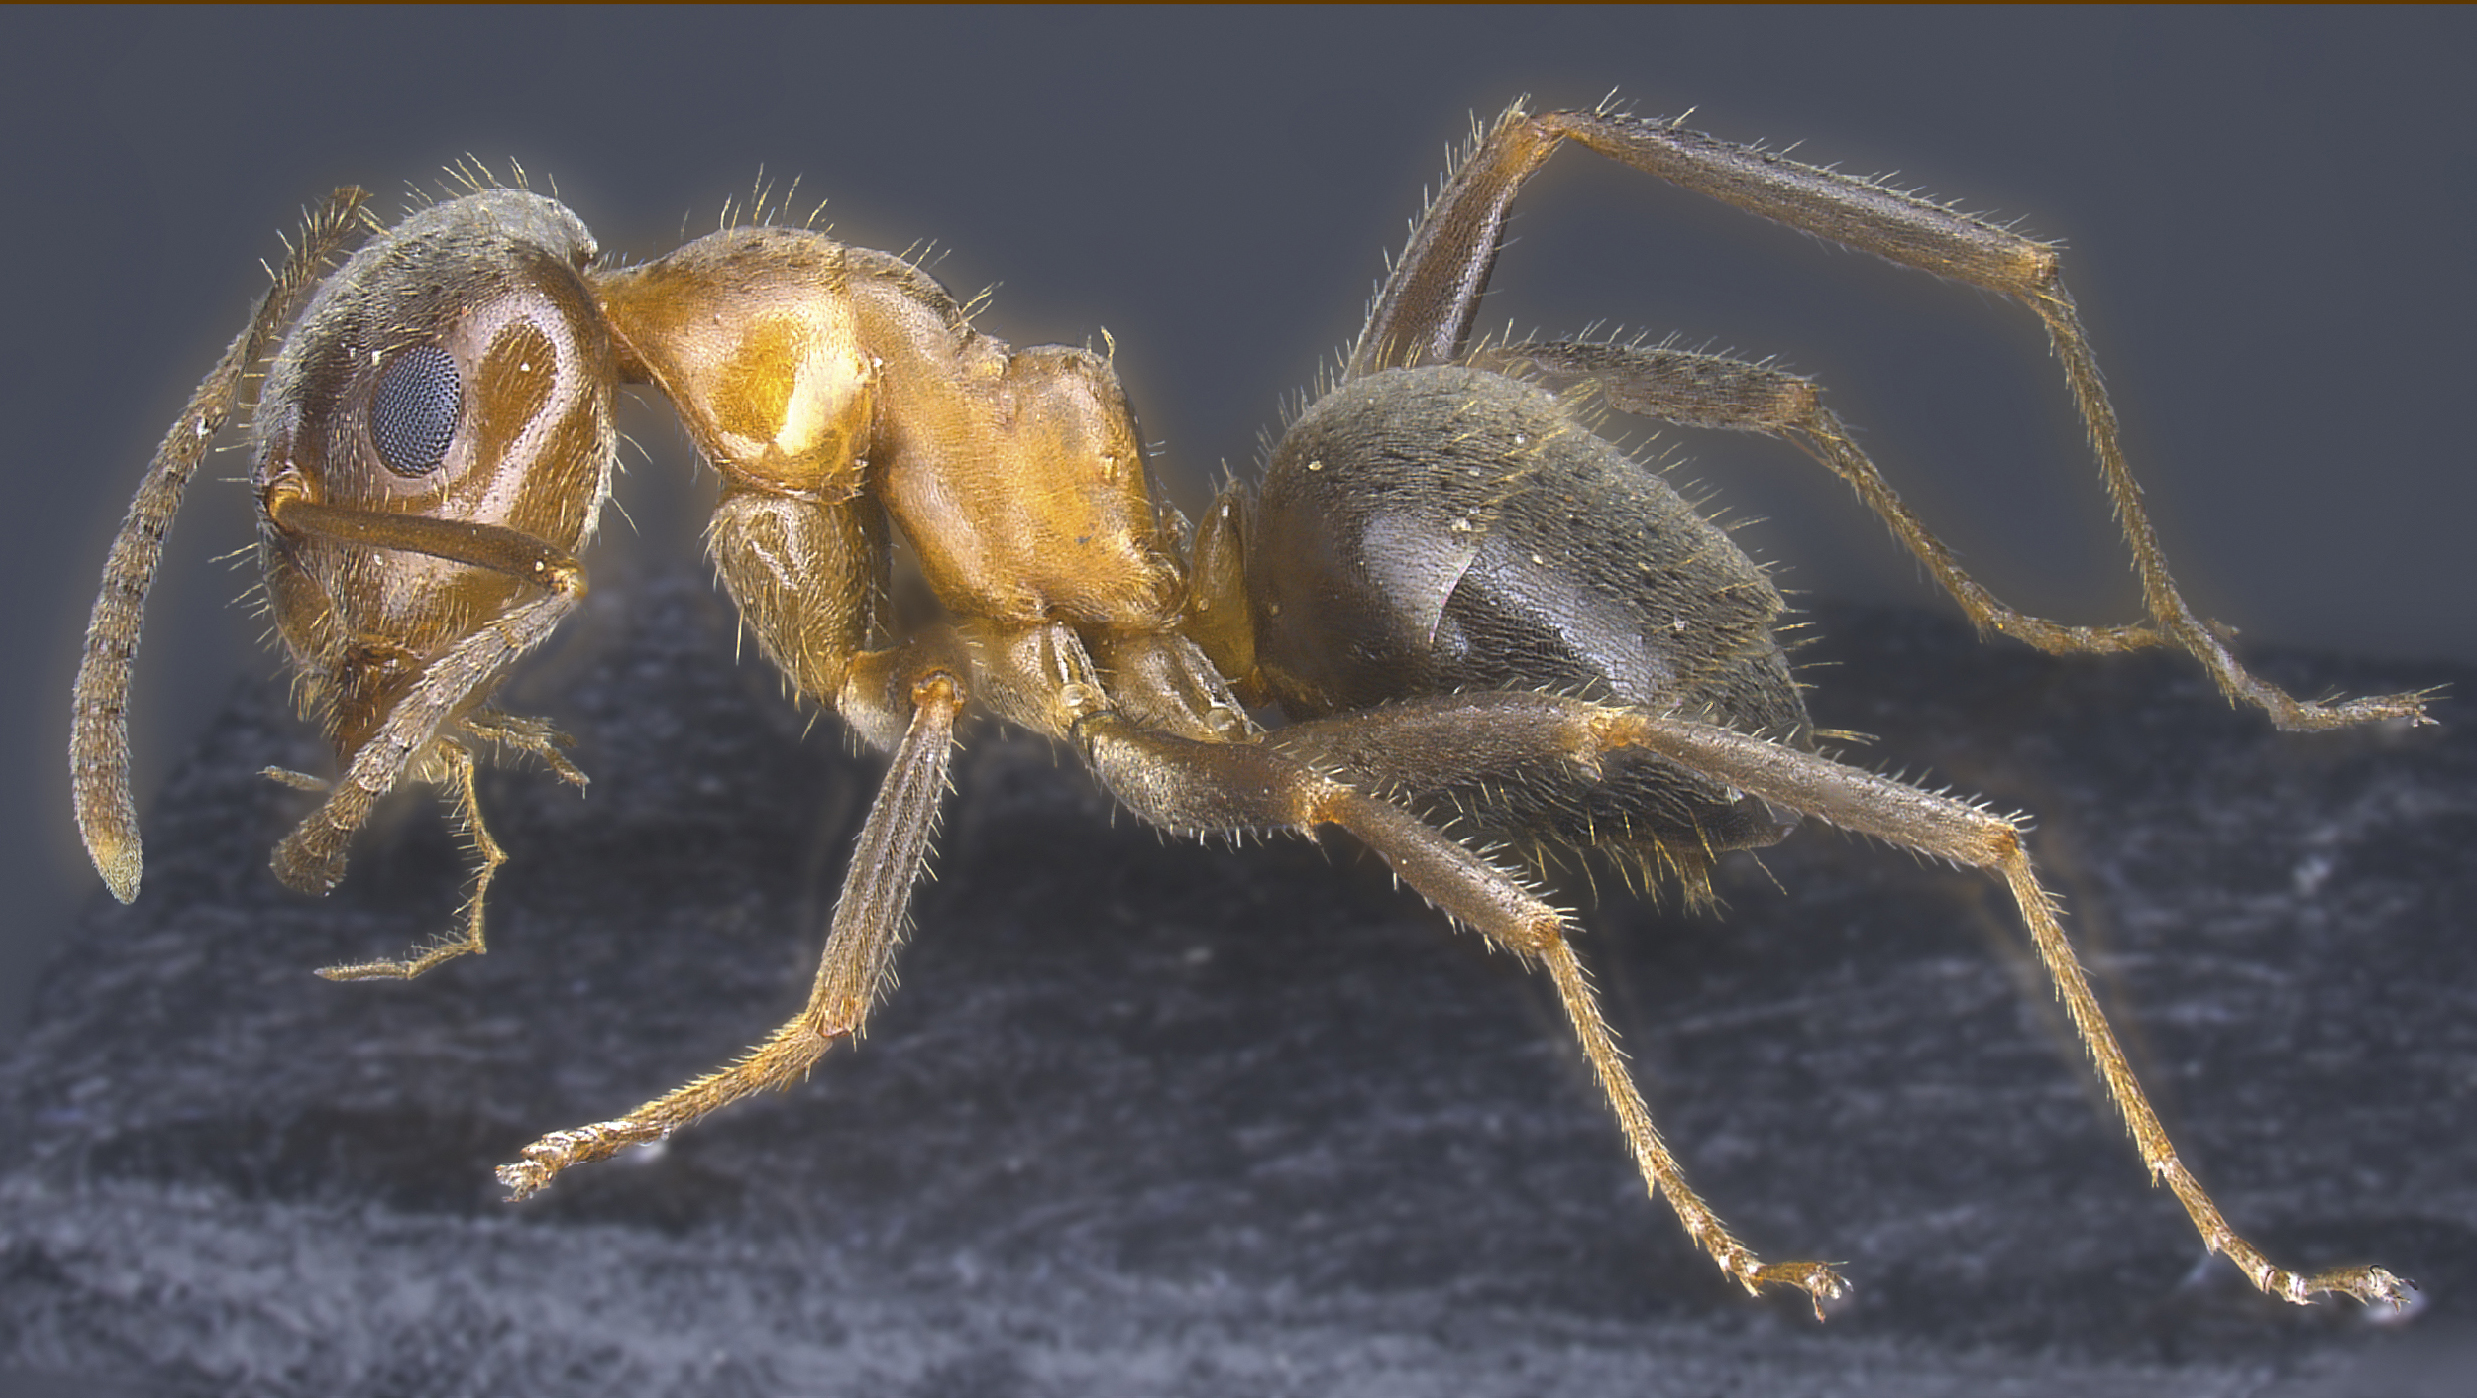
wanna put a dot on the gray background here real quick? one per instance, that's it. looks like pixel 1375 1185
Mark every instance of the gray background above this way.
pixel 2267 211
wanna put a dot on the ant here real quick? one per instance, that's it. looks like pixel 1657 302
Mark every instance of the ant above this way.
pixel 1463 603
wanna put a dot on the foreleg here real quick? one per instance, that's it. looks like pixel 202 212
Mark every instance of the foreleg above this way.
pixel 450 764
pixel 809 578
pixel 465 803
pixel 311 858
pixel 869 921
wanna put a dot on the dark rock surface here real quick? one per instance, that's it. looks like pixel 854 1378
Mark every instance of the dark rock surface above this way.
pixel 1152 1118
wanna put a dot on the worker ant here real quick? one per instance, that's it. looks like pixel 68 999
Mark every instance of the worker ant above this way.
pixel 1464 604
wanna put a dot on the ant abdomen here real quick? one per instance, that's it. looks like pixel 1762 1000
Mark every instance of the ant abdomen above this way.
pixel 1439 530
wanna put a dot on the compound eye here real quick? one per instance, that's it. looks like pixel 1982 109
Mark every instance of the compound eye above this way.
pixel 414 410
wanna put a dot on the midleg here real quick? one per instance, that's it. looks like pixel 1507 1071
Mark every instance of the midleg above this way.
pixel 1205 787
